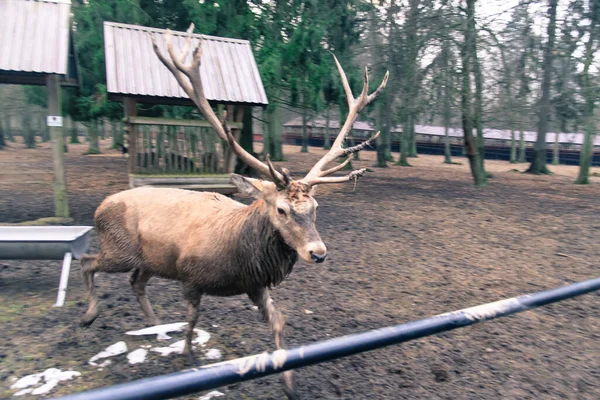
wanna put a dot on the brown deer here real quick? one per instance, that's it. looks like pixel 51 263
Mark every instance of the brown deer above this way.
pixel 210 243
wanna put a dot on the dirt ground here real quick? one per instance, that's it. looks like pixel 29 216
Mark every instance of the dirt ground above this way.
pixel 406 244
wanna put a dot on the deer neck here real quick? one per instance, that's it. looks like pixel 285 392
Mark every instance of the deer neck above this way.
pixel 262 251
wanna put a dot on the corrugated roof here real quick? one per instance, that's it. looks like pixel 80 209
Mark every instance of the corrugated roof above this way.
pixel 333 124
pixel 34 36
pixel 228 69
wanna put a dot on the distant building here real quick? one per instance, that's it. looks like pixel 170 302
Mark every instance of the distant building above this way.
pixel 292 130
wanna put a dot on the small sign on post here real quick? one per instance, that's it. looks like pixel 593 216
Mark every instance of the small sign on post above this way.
pixel 53 120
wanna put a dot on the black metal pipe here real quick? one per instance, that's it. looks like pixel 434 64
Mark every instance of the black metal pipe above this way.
pixel 243 369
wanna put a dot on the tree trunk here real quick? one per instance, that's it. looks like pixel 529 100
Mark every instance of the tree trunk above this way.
pixel 556 151
pixel 74 133
pixel 513 147
pixel 478 117
pixel 522 146
pixel 266 128
pixel 387 136
pixel 304 148
pixel 590 92
pixel 381 140
pixel 94 147
pixel 538 164
pixel 408 146
pixel 447 113
pixel 43 131
pixel 447 149
pixel 585 156
pixel 247 143
pixel 413 141
pixel 8 130
pixel 466 104
pixel 2 140
pixel 28 133
pixel 115 135
pixel 405 142
pixel 274 145
pixel 65 138
pixel 327 133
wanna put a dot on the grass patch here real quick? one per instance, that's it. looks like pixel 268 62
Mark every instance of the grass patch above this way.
pixel 10 312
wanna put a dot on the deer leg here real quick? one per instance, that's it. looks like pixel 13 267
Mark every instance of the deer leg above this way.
pixel 192 297
pixel 276 322
pixel 138 279
pixel 89 266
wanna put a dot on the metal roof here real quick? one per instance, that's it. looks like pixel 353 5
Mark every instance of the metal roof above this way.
pixel 34 36
pixel 333 124
pixel 228 70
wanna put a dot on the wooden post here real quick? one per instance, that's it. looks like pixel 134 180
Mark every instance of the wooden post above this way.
pixel 131 111
pixel 238 116
pixel 61 203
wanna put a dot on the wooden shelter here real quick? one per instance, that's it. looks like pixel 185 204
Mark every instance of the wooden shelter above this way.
pixel 36 48
pixel 175 152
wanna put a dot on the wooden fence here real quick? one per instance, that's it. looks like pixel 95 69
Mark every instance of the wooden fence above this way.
pixel 178 147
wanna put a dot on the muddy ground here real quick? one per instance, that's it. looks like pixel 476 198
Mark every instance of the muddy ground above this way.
pixel 406 244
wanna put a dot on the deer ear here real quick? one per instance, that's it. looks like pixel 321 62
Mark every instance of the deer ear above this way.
pixel 252 187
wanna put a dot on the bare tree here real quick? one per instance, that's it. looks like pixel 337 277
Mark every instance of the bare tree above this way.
pixel 589 90
pixel 467 57
pixel 538 164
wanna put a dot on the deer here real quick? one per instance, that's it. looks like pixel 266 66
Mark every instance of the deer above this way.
pixel 212 244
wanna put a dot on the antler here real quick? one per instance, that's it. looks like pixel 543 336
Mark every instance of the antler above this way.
pixel 317 175
pixel 188 77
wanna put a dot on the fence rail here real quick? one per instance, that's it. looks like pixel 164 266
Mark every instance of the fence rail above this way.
pixel 256 366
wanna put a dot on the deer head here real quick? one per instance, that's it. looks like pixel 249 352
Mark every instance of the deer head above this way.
pixel 290 203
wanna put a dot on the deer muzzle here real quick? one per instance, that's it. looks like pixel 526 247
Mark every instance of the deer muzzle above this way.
pixel 317 252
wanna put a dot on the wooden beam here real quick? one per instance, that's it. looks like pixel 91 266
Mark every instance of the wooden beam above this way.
pixel 130 114
pixel 176 122
pixel 238 116
pixel 61 203
pixel 33 79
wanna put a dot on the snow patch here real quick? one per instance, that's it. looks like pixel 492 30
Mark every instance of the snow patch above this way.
pixel 137 356
pixel 213 354
pixel 202 336
pixel 176 348
pixel 22 392
pixel 27 381
pixel 159 330
pixel 110 351
pixel 210 395
pixel 51 376
pixel 45 388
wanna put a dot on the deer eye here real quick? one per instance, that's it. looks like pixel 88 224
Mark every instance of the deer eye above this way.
pixel 281 211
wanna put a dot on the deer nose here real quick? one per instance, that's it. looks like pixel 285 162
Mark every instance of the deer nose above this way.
pixel 317 258
pixel 317 251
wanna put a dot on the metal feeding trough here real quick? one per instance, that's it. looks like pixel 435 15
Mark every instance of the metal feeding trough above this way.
pixel 46 243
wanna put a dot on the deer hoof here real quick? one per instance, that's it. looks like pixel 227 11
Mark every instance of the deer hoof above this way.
pixel 88 319
pixel 191 357
pixel 288 386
